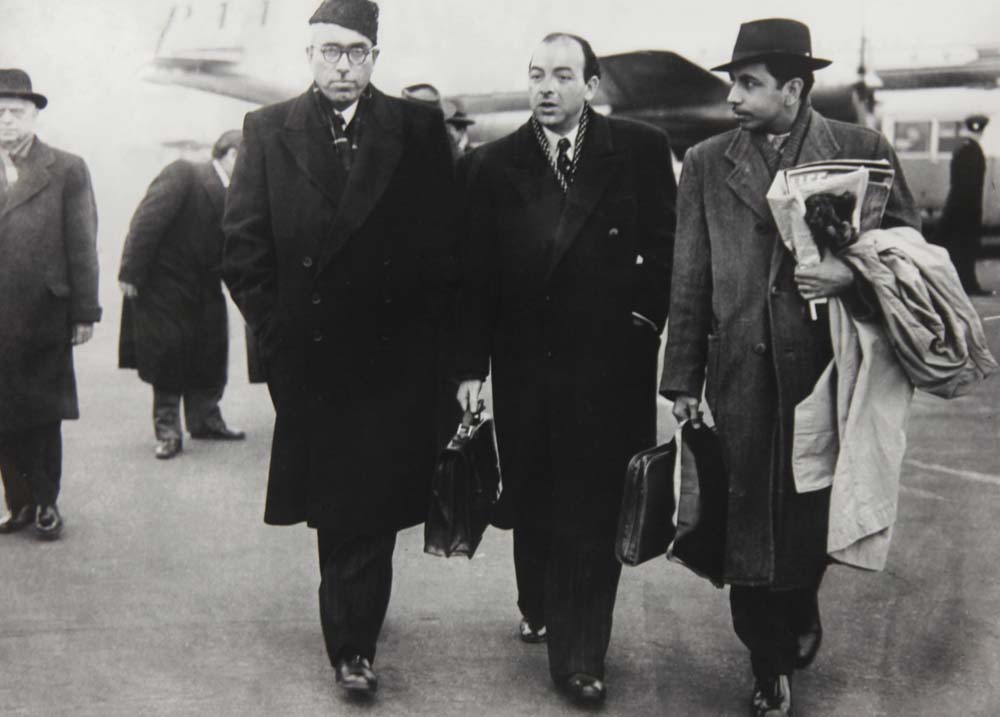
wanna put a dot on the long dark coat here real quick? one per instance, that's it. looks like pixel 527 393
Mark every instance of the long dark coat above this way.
pixel 549 291
pixel 337 276
pixel 961 225
pixel 736 312
pixel 48 282
pixel 175 331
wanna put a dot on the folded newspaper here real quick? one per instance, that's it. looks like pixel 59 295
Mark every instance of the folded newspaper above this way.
pixel 870 181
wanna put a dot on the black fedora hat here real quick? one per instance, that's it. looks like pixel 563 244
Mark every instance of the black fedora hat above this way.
pixel 773 37
pixel 16 83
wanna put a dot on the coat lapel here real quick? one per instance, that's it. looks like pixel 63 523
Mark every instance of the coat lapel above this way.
pixel 749 178
pixel 213 187
pixel 528 171
pixel 378 155
pixel 598 166
pixel 33 176
pixel 308 140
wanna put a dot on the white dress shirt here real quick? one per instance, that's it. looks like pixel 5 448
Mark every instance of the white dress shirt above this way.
pixel 554 138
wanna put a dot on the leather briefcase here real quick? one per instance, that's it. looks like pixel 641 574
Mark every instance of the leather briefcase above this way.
pixel 700 544
pixel 646 521
pixel 464 488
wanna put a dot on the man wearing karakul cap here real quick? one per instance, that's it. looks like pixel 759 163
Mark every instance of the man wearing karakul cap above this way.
pixel 337 244
pixel 48 304
pixel 740 326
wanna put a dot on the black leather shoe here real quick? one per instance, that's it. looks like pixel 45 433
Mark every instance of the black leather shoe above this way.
pixel 356 676
pixel 586 689
pixel 21 518
pixel 168 448
pixel 48 522
pixel 529 634
pixel 219 433
pixel 772 697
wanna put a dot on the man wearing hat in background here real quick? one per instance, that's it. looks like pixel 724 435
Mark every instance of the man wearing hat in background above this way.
pixel 961 225
pixel 48 303
pixel 739 311
pixel 174 327
pixel 338 241
pixel 457 124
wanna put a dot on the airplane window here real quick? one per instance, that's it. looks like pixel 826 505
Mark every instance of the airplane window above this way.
pixel 912 137
pixel 948 137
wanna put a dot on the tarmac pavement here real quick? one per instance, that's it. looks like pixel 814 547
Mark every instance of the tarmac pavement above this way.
pixel 167 595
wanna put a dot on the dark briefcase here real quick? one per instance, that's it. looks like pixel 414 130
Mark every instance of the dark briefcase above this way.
pixel 704 503
pixel 646 521
pixel 464 488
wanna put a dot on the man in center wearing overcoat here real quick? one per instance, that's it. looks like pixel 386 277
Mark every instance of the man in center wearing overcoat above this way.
pixel 566 272
pixel 337 244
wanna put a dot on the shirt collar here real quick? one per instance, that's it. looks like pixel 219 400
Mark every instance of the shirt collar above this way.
pixel 349 113
pixel 554 138
pixel 221 171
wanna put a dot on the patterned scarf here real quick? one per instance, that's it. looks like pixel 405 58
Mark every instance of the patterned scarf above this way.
pixel 788 155
pixel 543 142
pixel 9 159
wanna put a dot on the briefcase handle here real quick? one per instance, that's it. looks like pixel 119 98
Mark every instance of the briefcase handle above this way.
pixel 471 419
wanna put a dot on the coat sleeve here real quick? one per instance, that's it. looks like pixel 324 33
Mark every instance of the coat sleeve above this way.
pixel 479 287
pixel 690 291
pixel 80 232
pixel 656 237
pixel 900 210
pixel 249 260
pixel 152 218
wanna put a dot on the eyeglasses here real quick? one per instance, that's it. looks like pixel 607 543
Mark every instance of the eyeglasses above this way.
pixel 356 54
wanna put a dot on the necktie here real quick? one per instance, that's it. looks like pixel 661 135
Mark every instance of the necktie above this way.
pixel 341 141
pixel 563 162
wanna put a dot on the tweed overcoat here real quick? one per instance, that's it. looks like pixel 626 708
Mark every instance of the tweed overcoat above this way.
pixel 549 288
pixel 175 332
pixel 48 282
pixel 339 275
pixel 737 316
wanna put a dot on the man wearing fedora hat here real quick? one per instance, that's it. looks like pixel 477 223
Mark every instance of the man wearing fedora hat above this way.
pixel 48 303
pixel 337 251
pixel 457 123
pixel 739 314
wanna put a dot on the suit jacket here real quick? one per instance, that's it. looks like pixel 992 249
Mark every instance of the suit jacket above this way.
pixel 550 285
pixel 339 277
pixel 48 282
pixel 175 331
pixel 736 315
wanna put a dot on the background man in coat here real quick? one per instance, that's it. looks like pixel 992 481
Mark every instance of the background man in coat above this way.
pixel 48 303
pixel 739 310
pixel 174 327
pixel 567 267
pixel 337 241
pixel 961 226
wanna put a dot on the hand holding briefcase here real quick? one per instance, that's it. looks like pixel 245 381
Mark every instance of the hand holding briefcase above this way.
pixel 646 521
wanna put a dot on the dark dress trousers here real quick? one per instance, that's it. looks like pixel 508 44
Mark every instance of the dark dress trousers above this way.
pixel 338 275
pixel 175 332
pixel 48 282
pixel 550 286
pixel 739 326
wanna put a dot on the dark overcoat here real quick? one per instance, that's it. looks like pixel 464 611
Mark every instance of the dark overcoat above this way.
pixel 48 282
pixel 550 286
pixel 736 313
pixel 338 277
pixel 175 331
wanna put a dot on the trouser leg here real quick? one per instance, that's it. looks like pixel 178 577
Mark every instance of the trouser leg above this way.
pixel 166 414
pixel 44 464
pixel 354 590
pixel 762 623
pixel 531 559
pixel 580 589
pixel 17 492
pixel 201 409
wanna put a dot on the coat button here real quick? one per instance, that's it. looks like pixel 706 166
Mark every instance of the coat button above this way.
pixel 387 263
pixel 774 290
pixel 387 300
pixel 613 232
pixel 307 261
pixel 317 336
pixel 760 349
pixel 317 299
pixel 548 299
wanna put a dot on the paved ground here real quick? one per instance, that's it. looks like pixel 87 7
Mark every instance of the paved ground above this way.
pixel 168 596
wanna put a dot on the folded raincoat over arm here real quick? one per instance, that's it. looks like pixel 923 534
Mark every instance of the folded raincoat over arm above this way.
pixel 850 433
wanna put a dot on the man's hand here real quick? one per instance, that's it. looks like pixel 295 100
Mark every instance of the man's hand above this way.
pixel 830 277
pixel 82 333
pixel 686 409
pixel 130 291
pixel 468 394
